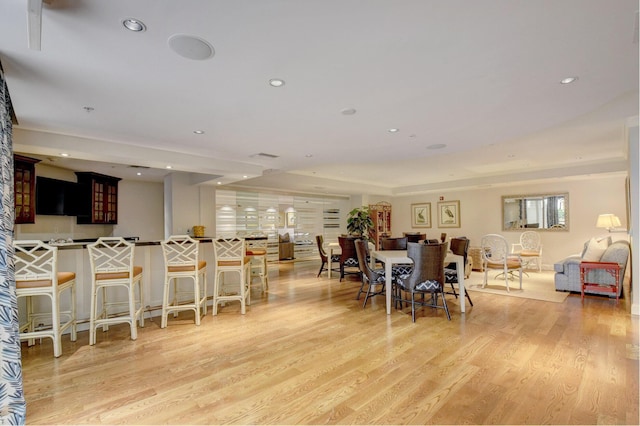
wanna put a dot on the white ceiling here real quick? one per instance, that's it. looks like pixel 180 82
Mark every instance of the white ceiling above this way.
pixel 481 77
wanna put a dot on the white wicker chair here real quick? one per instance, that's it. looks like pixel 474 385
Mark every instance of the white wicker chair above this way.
pixel 495 255
pixel 231 257
pixel 181 261
pixel 36 274
pixel 529 248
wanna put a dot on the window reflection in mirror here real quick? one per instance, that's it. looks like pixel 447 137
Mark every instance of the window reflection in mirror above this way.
pixel 537 211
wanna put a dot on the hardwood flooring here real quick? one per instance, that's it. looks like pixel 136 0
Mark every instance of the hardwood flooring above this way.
pixel 307 352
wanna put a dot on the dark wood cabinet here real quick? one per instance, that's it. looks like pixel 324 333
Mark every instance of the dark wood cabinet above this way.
pixel 24 180
pixel 97 198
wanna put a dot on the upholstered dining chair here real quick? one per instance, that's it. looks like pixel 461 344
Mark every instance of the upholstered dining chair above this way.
pixel 393 243
pixel 112 267
pixel 414 237
pixel 494 250
pixel 529 248
pixel 324 257
pixel 36 274
pixel 348 257
pixel 427 277
pixel 459 246
pixel 181 261
pixel 372 278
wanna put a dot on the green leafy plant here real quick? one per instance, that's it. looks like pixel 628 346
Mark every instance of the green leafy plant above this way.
pixel 359 222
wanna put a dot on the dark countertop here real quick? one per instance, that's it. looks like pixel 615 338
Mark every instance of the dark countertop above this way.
pixel 82 243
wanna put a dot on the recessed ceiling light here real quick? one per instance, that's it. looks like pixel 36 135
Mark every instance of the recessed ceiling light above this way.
pixel 568 80
pixel 168 167
pixel 134 25
pixel 394 130
pixel 139 174
pixel 245 176
pixel 199 132
pixel 511 156
pixel 437 146
pixel 88 108
pixel 308 155
pixel 348 111
pixel 219 183
pixel 276 82
pixel 64 154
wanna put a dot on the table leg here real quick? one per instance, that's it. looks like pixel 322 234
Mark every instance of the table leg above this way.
pixel 460 269
pixel 389 285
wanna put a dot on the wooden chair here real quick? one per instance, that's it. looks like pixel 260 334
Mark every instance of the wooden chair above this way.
pixel 427 277
pixel 181 261
pixel 36 274
pixel 112 266
pixel 459 246
pixel 394 243
pixel 231 256
pixel 348 257
pixel 495 255
pixel 370 277
pixel 324 257
pixel 414 237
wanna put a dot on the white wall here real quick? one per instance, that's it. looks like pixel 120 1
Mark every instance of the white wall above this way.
pixel 140 212
pixel 480 213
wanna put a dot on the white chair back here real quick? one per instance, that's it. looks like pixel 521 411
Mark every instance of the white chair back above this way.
pixel 110 255
pixel 180 251
pixel 35 261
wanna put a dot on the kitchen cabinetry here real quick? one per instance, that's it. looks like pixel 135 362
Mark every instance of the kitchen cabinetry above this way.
pixel 24 179
pixel 97 198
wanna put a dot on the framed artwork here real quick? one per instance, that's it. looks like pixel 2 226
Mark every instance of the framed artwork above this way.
pixel 421 215
pixel 449 214
pixel 291 219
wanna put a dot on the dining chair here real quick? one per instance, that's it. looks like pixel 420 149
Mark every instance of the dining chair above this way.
pixel 181 261
pixel 36 274
pixel 459 246
pixel 112 267
pixel 393 243
pixel 257 251
pixel 231 256
pixel 495 255
pixel 324 257
pixel 427 277
pixel 370 277
pixel 348 257
pixel 414 237
pixel 529 248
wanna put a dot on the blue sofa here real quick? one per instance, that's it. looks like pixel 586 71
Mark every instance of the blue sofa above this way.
pixel 567 277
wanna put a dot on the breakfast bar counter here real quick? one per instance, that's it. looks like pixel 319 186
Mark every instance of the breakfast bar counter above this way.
pixel 74 257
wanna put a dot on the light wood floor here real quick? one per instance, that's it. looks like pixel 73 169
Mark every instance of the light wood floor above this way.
pixel 307 353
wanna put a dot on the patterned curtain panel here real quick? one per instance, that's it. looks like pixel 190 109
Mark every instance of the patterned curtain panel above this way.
pixel 12 403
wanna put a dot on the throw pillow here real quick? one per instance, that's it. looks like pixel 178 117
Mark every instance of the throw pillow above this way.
pixel 595 250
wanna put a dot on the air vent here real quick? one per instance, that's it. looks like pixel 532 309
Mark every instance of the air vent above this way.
pixel 139 167
pixel 264 155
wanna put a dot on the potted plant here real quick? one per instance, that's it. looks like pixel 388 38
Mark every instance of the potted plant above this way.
pixel 359 222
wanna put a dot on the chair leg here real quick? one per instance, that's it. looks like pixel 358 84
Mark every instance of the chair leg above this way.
pixel 413 306
pixel 446 308
pixel 454 290
pixel 321 268
pixel 466 293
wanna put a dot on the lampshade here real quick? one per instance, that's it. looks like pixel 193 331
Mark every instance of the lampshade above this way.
pixel 608 221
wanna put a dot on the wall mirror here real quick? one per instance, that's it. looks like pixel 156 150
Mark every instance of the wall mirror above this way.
pixel 537 211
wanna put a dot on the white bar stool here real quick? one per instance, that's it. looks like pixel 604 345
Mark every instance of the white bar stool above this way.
pixel 36 274
pixel 111 267
pixel 181 261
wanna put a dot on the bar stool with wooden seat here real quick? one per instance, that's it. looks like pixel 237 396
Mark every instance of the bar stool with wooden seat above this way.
pixel 112 266
pixel 181 261
pixel 36 274
pixel 257 251
pixel 231 256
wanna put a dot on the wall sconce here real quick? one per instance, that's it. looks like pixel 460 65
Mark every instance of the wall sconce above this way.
pixel 610 222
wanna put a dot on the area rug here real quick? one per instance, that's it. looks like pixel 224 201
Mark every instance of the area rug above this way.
pixel 538 286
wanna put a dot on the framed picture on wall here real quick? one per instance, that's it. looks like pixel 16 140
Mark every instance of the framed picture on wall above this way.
pixel 449 214
pixel 421 215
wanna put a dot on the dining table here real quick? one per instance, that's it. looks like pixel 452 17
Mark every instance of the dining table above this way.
pixel 395 257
